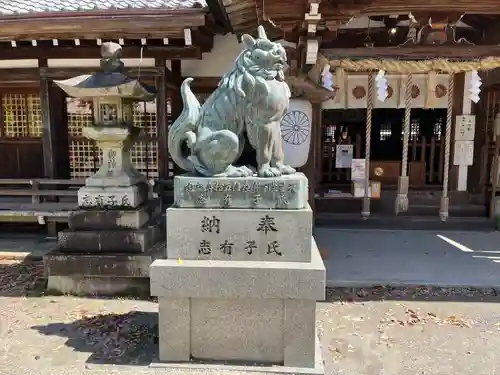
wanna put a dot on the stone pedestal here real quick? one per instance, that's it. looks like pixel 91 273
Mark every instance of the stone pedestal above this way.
pixel 240 284
pixel 112 237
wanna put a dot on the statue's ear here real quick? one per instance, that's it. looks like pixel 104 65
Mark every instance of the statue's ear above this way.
pixel 248 41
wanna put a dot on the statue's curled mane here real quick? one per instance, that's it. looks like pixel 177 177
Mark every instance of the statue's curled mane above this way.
pixel 243 78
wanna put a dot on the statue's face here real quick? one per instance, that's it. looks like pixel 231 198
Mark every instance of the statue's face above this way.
pixel 268 59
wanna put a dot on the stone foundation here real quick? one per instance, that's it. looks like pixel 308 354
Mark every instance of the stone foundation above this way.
pixel 224 301
pixel 106 252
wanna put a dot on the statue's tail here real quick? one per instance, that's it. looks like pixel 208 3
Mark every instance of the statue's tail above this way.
pixel 182 131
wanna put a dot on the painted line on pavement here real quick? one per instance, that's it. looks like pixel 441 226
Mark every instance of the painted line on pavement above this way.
pixel 458 245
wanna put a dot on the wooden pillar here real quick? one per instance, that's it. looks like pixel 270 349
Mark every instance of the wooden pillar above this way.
pixel 401 204
pixel 462 105
pixel 445 200
pixel 365 211
pixel 161 117
pixel 55 129
pixel 176 101
pixel 311 169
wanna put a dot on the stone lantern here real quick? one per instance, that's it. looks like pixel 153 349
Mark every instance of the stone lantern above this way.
pixel 117 184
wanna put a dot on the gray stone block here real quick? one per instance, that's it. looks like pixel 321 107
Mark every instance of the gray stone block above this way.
pixel 102 241
pixel 243 279
pixel 58 263
pixel 299 332
pixel 101 286
pixel 174 316
pixel 241 330
pixel 285 192
pixel 249 330
pixel 239 234
pixel 101 219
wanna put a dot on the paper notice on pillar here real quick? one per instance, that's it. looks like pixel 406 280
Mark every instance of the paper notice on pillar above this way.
pixel 358 169
pixel 464 153
pixel 343 156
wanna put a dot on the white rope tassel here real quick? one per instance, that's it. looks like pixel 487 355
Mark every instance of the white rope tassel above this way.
pixel 365 212
pixel 445 201
pixel 403 181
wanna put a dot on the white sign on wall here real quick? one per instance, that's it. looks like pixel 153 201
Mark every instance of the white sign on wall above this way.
pixel 343 156
pixel 358 169
pixel 464 153
pixel 465 126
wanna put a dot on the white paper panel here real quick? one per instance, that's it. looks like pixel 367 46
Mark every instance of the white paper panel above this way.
pixel 393 91
pixel 419 85
pixel 296 132
pixel 357 91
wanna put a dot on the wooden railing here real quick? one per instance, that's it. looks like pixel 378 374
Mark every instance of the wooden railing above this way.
pixel 50 201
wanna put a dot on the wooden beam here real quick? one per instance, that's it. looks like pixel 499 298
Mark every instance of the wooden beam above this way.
pixel 354 38
pixel 167 52
pixel 173 80
pixel 384 7
pixel 89 25
pixel 457 51
pixel 220 15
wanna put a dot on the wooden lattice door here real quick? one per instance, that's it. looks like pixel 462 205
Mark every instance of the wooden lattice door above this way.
pixel 21 129
pixel 85 157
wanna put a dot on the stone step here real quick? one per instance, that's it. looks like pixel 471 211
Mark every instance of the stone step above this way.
pixel 105 274
pixel 239 234
pixel 103 241
pixel 102 219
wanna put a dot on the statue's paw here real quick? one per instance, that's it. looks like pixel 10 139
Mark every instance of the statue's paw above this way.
pixel 247 172
pixel 232 171
pixel 285 169
pixel 269 172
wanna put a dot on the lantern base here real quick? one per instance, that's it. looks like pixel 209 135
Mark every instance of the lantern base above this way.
pixel 113 197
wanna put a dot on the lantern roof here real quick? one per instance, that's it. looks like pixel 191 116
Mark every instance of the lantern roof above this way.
pixel 109 82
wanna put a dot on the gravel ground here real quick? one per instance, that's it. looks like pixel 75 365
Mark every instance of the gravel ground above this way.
pixel 389 331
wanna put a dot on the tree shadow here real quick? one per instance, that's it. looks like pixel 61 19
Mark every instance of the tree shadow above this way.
pixel 412 293
pixel 24 278
pixel 117 339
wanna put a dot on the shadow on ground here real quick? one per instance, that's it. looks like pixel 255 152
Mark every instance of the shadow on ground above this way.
pixel 118 339
pixel 21 278
pixel 412 293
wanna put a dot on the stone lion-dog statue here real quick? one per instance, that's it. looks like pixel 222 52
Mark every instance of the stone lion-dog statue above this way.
pixel 253 97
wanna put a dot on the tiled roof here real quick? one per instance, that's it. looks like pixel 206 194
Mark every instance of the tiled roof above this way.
pixel 12 7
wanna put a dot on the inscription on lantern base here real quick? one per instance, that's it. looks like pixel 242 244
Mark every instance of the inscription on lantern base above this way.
pixel 113 197
pixel 286 192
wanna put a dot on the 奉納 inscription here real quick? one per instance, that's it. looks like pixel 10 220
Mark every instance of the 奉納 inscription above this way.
pixel 266 225
pixel 210 224
pixel 205 248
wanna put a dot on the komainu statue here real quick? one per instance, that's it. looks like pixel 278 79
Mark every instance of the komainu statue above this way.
pixel 251 98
